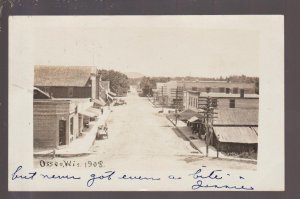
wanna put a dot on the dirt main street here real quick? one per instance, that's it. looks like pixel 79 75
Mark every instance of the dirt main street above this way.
pixel 142 139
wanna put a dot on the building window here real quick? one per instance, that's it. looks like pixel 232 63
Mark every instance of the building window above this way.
pixel 232 103
pixel 222 90
pixel 208 89
pixel 214 102
pixel 70 92
pixel 71 125
pixel 227 90
pixel 194 88
pixel 235 90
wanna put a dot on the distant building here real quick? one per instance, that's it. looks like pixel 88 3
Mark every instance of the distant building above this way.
pixel 105 92
pixel 218 86
pixel 169 94
pixel 172 93
pixel 192 99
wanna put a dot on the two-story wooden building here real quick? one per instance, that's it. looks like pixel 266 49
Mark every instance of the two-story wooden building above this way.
pixel 67 81
pixel 58 122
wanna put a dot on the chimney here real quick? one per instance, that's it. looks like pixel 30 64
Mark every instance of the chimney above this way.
pixel 242 93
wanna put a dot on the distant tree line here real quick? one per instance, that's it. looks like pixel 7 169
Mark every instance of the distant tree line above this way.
pixel 149 83
pixel 119 82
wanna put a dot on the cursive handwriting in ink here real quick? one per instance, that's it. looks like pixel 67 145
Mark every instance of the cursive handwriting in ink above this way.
pixel 212 175
pixel 200 184
pixel 125 177
pixel 172 177
pixel 16 175
pixel 216 175
pixel 60 177
pixel 107 175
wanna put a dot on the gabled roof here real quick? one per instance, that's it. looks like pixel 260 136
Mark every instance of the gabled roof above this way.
pixel 77 76
pixel 236 117
pixel 39 94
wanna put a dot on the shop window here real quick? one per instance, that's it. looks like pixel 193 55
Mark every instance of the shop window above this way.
pixel 232 103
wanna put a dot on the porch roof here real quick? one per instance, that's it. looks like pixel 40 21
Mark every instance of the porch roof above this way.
pixel 245 135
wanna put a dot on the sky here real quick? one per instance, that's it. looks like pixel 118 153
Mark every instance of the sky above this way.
pixel 204 46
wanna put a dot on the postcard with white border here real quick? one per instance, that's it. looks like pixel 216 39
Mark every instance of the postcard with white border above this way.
pixel 146 103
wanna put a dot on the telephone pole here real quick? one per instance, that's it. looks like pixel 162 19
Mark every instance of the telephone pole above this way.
pixel 208 112
pixel 162 97
pixel 176 106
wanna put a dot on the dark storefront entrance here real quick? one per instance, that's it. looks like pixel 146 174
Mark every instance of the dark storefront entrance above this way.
pixel 62 132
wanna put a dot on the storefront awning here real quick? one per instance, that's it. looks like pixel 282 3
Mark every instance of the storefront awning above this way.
pixel 110 97
pixel 87 113
pixel 94 110
pixel 193 119
pixel 187 114
pixel 112 93
pixel 100 102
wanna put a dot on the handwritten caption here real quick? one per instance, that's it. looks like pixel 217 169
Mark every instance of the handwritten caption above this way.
pixel 203 178
pixel 70 163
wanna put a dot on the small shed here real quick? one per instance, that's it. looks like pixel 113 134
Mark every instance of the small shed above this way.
pixel 235 138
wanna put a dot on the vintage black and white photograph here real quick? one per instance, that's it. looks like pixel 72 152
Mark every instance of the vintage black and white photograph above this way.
pixel 146 103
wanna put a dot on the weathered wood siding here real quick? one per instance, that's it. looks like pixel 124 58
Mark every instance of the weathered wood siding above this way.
pixel 45 131
pixel 239 103
pixel 233 147
pixel 46 116
pixel 62 92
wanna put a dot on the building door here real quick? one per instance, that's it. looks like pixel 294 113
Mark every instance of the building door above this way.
pixel 62 132
pixel 80 122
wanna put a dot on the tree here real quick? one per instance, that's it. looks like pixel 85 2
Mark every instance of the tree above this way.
pixel 119 82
